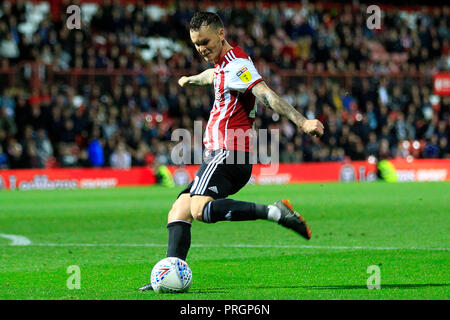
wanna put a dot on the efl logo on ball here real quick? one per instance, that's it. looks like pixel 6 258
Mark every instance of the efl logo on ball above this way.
pixel 171 275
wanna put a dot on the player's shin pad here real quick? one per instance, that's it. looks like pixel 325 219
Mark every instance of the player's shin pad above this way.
pixel 228 209
pixel 179 239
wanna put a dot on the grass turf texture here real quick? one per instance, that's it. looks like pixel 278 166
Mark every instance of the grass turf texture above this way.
pixel 116 236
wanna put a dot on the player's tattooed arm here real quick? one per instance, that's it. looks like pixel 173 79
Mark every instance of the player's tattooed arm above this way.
pixel 202 79
pixel 270 99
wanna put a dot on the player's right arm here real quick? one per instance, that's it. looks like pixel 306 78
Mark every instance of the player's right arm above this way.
pixel 202 79
pixel 270 99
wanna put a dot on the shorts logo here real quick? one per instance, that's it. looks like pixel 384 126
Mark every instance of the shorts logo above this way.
pixel 213 189
pixel 244 74
pixel 218 96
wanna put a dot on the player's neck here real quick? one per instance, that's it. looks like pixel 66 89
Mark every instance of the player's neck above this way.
pixel 225 48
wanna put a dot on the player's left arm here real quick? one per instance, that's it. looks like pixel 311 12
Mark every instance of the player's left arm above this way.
pixel 270 99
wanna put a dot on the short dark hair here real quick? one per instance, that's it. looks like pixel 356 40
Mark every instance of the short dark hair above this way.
pixel 205 19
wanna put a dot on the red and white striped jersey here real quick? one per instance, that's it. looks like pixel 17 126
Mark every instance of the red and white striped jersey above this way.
pixel 231 119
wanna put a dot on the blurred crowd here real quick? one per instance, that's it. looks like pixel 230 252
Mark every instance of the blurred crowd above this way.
pixel 129 122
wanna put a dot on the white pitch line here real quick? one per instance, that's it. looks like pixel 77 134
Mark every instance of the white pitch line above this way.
pixel 235 246
pixel 16 240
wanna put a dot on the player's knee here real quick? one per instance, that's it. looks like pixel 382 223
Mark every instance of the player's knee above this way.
pixel 180 210
pixel 173 213
pixel 197 216
pixel 197 210
pixel 197 205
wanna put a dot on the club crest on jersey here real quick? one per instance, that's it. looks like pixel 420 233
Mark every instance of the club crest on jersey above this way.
pixel 218 96
pixel 244 74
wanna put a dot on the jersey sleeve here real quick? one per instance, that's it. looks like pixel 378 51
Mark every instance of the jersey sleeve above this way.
pixel 242 75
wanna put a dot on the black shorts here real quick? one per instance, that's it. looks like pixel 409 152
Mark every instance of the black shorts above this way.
pixel 222 173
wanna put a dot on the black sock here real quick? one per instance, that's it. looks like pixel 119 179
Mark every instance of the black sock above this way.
pixel 228 209
pixel 179 239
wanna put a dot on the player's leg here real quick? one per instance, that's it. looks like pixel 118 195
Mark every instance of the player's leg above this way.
pixel 208 210
pixel 179 225
pixel 215 181
pixel 219 180
pixel 180 219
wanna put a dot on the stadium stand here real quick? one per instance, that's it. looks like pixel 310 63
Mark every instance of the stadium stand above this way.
pixel 106 95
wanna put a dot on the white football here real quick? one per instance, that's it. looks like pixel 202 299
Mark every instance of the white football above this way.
pixel 171 275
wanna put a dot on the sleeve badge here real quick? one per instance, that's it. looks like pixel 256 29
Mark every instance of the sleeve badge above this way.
pixel 244 74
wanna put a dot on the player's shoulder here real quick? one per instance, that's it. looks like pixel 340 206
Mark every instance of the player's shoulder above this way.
pixel 237 58
pixel 239 53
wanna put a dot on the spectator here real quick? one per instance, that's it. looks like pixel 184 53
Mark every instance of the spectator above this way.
pixel 140 155
pixel 121 158
pixel 431 149
pixel 95 150
pixel 7 123
pixel 68 154
pixel 68 132
pixel 372 145
pixel 44 148
pixel 9 48
pixel 17 159
pixel 290 155
pixel 4 162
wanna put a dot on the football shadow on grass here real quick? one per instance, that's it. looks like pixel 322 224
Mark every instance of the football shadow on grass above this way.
pixel 209 291
pixel 383 286
pixel 353 287
pixel 328 287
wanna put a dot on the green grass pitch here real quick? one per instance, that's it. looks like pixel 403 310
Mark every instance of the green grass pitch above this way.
pixel 115 236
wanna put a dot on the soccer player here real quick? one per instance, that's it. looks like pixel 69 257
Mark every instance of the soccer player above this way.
pixel 237 86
